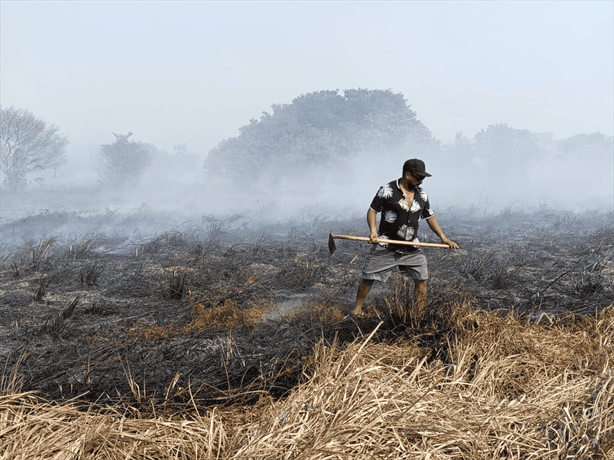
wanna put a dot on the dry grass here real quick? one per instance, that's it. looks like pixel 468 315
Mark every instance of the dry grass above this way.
pixel 523 395
pixel 84 246
pixel 301 272
pixel 513 389
pixel 227 316
pixel 169 342
pixel 32 429
pixel 34 256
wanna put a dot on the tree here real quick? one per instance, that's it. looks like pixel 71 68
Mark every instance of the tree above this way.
pixel 123 162
pixel 583 145
pixel 588 155
pixel 27 145
pixel 319 129
pixel 503 150
pixel 460 154
pixel 180 149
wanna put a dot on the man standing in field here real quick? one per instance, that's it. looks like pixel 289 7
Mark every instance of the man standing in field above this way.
pixel 402 204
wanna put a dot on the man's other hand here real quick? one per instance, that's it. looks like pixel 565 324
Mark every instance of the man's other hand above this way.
pixel 450 243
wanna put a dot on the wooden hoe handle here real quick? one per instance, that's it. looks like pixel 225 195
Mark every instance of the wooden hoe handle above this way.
pixel 408 243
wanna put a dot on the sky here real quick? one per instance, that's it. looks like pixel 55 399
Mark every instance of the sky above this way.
pixel 194 72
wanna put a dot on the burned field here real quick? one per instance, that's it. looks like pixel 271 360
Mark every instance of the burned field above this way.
pixel 224 339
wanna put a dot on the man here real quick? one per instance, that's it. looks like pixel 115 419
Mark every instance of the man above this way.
pixel 402 204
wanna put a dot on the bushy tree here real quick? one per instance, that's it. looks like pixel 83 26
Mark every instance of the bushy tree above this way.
pixel 460 154
pixel 588 155
pixel 503 149
pixel 594 145
pixel 183 158
pixel 27 145
pixel 495 158
pixel 319 128
pixel 123 162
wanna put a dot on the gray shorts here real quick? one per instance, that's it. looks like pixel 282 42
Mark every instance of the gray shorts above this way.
pixel 381 261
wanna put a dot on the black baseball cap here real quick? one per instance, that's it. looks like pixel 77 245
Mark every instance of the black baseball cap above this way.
pixel 415 167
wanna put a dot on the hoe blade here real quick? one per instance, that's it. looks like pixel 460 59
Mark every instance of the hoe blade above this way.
pixel 331 244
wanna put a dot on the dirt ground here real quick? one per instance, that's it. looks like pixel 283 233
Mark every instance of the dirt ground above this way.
pixel 206 312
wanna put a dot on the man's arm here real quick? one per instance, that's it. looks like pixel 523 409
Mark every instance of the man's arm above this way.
pixel 434 224
pixel 372 221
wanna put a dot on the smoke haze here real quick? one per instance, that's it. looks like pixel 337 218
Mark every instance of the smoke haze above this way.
pixel 192 74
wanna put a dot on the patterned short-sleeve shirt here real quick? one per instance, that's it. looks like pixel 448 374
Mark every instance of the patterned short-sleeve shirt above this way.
pixel 400 220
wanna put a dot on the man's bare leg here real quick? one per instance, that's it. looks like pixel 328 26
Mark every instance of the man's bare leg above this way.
pixel 421 292
pixel 363 290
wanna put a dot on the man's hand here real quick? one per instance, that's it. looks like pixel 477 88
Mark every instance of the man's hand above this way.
pixel 450 243
pixel 372 221
pixel 432 221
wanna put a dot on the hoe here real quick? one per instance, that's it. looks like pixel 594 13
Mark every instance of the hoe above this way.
pixel 332 247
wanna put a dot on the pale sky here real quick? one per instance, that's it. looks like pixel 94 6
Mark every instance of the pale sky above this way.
pixel 195 72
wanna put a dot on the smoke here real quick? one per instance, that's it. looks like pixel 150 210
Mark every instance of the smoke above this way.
pixel 175 190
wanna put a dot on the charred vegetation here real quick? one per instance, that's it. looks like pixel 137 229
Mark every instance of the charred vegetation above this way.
pixel 222 316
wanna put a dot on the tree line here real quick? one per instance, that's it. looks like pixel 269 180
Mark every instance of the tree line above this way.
pixel 317 131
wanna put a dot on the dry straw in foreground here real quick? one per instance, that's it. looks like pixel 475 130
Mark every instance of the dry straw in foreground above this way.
pixel 511 389
pixel 387 401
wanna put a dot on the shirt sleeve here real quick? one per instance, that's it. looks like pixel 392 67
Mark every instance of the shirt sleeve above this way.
pixel 426 211
pixel 376 204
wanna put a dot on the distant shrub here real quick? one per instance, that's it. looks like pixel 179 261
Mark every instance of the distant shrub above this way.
pixel 123 162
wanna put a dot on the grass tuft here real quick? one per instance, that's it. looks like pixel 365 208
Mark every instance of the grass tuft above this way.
pixel 37 256
pixel 43 284
pixel 90 275
pixel 177 283
pixel 15 270
pixel 84 246
pixel 55 326
pixel 301 272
